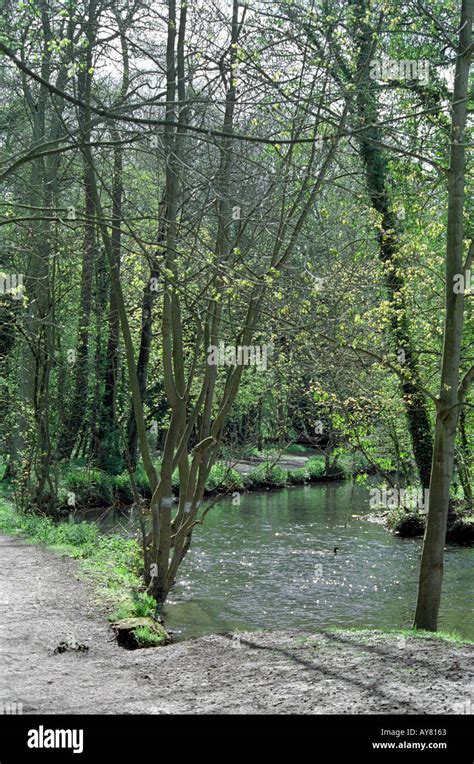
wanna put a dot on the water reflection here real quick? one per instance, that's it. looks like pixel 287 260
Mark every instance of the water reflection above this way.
pixel 270 564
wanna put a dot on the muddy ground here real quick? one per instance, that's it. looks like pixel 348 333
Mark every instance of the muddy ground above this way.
pixel 44 602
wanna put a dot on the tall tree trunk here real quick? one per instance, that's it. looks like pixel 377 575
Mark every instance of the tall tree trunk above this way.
pixel 38 354
pixel 464 459
pixel 451 396
pixel 148 300
pixel 78 407
pixel 375 166
pixel 101 297
pixel 109 455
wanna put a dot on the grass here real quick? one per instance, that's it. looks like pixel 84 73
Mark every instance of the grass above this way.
pixel 223 478
pixel 141 605
pixel 300 450
pixel 84 486
pixel 267 476
pixel 112 563
pixel 147 638
pixel 453 637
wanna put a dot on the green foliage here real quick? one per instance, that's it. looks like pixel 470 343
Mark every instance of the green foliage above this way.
pixel 268 476
pixel 298 476
pixel 141 479
pixel 95 488
pixel 122 488
pixel 223 478
pixel 145 637
pixel 461 531
pixel 315 467
pixel 139 605
pixel 110 456
pixel 335 471
pixel 91 487
pixel 112 562
pixel 405 522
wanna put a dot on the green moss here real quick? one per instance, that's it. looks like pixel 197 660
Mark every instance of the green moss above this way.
pixel 133 633
pixel 148 638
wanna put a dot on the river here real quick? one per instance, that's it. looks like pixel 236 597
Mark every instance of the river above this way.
pixel 270 564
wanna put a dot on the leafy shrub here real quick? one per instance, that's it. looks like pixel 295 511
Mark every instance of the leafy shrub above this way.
pixel 335 471
pixel 461 531
pixel 266 476
pixel 122 488
pixel 139 605
pixel 141 479
pixel 92 487
pixel 406 523
pixel 315 467
pixel 224 478
pixel 298 476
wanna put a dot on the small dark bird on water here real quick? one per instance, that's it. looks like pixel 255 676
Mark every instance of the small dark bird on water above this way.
pixel 335 549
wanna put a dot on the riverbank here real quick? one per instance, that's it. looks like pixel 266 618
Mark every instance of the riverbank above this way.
pixel 291 671
pixel 410 523
pixel 85 487
pixel 111 563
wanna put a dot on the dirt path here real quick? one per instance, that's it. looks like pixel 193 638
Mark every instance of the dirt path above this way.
pixel 283 672
pixel 286 462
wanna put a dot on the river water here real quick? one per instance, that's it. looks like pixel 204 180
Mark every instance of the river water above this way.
pixel 270 564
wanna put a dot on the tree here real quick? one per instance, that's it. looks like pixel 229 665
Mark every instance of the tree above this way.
pixel 452 391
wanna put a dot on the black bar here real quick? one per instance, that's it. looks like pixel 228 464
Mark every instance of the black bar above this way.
pixel 117 738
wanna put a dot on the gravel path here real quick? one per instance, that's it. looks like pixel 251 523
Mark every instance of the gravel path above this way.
pixel 45 602
pixel 286 462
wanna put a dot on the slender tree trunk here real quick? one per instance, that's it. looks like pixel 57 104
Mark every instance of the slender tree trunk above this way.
pixel 109 456
pixel 451 393
pixel 38 352
pixel 463 461
pixel 375 166
pixel 80 396
pixel 148 300
pixel 101 297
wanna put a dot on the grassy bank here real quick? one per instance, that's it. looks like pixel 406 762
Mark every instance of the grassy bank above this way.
pixel 446 636
pixel 83 486
pixel 112 563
